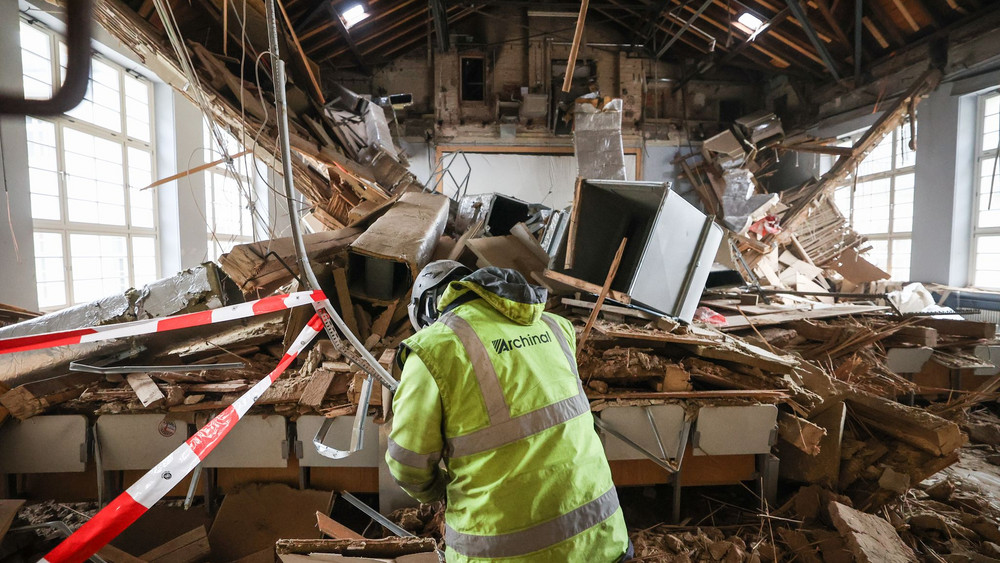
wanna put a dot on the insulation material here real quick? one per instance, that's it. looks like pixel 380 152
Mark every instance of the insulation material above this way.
pixel 377 129
pixel 194 289
pixel 597 135
pixel 385 259
pixel 740 205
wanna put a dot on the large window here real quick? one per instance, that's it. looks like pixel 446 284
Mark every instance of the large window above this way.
pixel 228 194
pixel 95 228
pixel 986 233
pixel 880 202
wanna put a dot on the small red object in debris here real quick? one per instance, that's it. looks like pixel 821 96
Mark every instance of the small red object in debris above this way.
pixel 766 226
pixel 706 315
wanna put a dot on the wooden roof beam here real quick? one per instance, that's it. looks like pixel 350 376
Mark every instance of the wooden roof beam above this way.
pixel 887 22
pixel 420 11
pixel 907 15
pixel 721 26
pixel 375 17
pixel 451 19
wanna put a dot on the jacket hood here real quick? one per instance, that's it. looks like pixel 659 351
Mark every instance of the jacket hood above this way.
pixel 503 289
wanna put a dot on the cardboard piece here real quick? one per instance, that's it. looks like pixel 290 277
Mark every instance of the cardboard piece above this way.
pixel 8 509
pixel 257 516
pixel 856 269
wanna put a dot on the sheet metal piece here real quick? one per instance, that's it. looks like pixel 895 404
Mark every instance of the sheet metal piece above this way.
pixel 670 249
pixel 366 456
pixel 357 432
pixel 597 136
pixel 374 515
pixel 403 240
pixel 77 366
pixel 44 444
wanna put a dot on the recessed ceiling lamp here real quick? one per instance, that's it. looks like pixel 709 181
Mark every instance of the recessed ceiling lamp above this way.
pixel 750 21
pixel 353 15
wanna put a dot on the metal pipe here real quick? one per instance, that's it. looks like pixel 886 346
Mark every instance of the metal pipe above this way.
pixel 858 17
pixel 685 27
pixel 324 309
pixel 630 443
pixel 800 14
pixel 79 24
pixel 376 515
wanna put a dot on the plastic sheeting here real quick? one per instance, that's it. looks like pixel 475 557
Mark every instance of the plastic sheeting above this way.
pixel 597 135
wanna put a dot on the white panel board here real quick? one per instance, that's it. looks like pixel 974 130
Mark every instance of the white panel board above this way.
pixel 735 430
pixel 256 441
pixel 634 424
pixel 339 436
pixel 535 178
pixel 44 444
pixel 137 441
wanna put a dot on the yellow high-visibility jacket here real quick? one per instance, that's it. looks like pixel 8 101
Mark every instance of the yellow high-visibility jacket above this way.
pixel 492 389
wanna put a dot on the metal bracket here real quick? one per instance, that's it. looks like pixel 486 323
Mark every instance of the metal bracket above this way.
pixel 357 434
pixel 773 438
pixel 604 426
pixel 695 439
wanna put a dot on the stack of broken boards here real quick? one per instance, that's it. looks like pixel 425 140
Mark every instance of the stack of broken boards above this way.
pixel 840 424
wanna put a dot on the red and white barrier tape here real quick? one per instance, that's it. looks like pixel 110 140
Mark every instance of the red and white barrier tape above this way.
pixel 154 485
pixel 162 324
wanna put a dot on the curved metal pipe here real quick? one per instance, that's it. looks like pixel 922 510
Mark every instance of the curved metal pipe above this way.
pixel 78 30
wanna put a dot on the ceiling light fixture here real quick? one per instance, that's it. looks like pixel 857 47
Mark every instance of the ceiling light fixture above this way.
pixel 750 21
pixel 353 15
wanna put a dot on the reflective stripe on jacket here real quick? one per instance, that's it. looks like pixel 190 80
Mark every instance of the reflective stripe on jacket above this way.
pixel 492 388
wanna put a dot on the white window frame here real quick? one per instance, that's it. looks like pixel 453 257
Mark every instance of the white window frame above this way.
pixel 64 227
pixel 982 155
pixel 891 174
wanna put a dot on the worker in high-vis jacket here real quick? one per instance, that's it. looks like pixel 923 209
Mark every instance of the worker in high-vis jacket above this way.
pixel 490 388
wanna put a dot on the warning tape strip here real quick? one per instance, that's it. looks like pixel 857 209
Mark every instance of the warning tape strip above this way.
pixel 161 324
pixel 154 485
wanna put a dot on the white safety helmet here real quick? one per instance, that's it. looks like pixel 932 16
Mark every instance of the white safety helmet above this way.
pixel 428 288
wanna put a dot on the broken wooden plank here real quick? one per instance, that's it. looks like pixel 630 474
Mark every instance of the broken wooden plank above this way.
pixel 603 293
pixel 387 547
pixel 4 413
pixel 758 394
pixel 738 322
pixel 344 298
pixel 625 311
pixel 145 388
pixel 185 548
pixel 955 327
pixel 8 510
pixel 335 529
pixel 870 538
pixel 315 390
pixel 25 401
pixel 570 281
pixel 801 433
pixel 263 264
pixel 380 326
pixel 112 554
pixel 912 425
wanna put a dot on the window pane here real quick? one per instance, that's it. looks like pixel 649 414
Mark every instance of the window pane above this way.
pixel 102 103
pixel 871 206
pixel 900 260
pixel 137 108
pixel 140 201
pixel 43 179
pixel 144 260
pixel 50 271
pixel 991 122
pixel 879 160
pixel 100 265
pixel 989 194
pixel 94 179
pixel 987 262
pixel 902 206
pixel 879 253
pixel 36 62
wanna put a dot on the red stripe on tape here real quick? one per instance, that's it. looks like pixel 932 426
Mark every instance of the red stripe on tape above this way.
pixel 184 321
pixel 318 295
pixel 270 304
pixel 316 323
pixel 23 343
pixel 205 440
pixel 98 531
